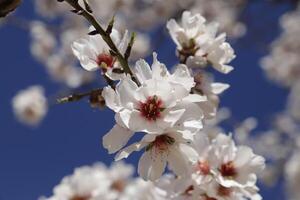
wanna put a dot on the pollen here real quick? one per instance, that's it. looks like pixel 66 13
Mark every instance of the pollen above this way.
pixel 228 169
pixel 118 186
pixel 152 108
pixel 161 143
pixel 80 198
pixel 105 60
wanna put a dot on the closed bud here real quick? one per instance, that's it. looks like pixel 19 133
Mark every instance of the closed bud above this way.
pixel 96 99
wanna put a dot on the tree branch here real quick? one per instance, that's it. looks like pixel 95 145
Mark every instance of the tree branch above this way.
pixel 104 34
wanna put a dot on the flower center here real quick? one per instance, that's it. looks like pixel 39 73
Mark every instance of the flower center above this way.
pixel 209 198
pixel 189 191
pixel 80 198
pixel 105 60
pixel 118 186
pixel 152 108
pixel 228 169
pixel 203 167
pixel 161 143
pixel 223 191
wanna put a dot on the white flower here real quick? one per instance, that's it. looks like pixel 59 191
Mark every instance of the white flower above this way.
pixel 215 190
pixel 154 106
pixel 234 166
pixel 96 182
pixel 278 68
pixel 86 183
pixel 169 148
pixel 198 43
pixel 172 147
pixel 93 53
pixel 30 105
pixel 219 170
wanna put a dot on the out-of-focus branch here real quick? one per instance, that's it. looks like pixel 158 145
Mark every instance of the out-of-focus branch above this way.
pixel 7 6
pixel 95 98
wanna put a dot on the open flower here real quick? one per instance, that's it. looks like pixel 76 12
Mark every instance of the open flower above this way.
pixel 30 105
pixel 96 182
pixel 93 53
pixel 235 166
pixel 153 107
pixel 171 148
pixel 198 43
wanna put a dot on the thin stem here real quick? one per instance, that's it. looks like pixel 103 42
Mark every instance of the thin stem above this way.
pixel 77 97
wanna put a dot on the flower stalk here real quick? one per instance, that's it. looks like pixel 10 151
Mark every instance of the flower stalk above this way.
pixel 105 34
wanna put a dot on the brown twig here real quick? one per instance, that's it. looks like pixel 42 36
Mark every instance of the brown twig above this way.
pixel 104 34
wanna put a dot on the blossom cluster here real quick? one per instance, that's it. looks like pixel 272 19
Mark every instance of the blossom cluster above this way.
pixel 220 170
pixel 98 182
pixel 50 44
pixel 280 144
pixel 171 111
pixel 174 112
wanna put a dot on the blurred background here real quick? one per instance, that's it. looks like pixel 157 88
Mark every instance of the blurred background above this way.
pixel 35 158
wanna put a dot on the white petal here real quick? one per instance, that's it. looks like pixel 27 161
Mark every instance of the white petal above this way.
pixel 85 54
pixel 123 118
pixel 218 88
pixel 142 71
pixel 116 138
pixel 139 123
pixel 243 156
pixel 127 91
pixel 189 152
pixel 159 70
pixel 173 28
pixel 182 75
pixel 122 46
pixel 177 162
pixel 111 99
pixel 172 116
pixel 195 98
pixel 151 165
pixel 124 153
pixel 223 68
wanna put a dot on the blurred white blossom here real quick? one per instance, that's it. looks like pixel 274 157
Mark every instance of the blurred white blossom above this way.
pixel 198 43
pixel 30 105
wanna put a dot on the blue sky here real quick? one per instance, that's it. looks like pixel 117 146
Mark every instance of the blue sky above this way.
pixel 33 160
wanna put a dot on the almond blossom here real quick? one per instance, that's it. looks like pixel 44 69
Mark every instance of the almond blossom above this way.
pixel 93 53
pixel 163 108
pixel 221 170
pixel 30 105
pixel 174 113
pixel 235 166
pixel 169 148
pixel 96 182
pixel 156 105
pixel 198 44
